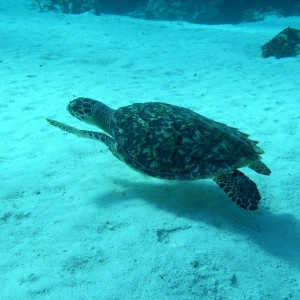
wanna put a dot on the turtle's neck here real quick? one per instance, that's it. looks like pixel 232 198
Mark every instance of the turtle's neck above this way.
pixel 102 117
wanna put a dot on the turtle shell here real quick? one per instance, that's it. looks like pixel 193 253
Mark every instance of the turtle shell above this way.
pixel 172 142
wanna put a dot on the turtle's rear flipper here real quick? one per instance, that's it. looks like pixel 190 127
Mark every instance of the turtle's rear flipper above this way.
pixel 240 189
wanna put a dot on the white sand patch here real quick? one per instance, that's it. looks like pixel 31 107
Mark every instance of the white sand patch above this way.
pixel 78 224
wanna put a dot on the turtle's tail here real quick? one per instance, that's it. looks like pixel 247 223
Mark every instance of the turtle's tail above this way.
pixel 259 167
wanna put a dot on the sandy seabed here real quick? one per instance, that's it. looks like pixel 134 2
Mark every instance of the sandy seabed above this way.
pixel 76 223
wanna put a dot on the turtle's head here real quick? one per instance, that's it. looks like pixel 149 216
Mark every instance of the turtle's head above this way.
pixel 82 109
pixel 92 112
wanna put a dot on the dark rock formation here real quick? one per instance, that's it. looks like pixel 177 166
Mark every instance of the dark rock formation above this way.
pixel 121 6
pixel 215 11
pixel 252 15
pixel 70 6
pixel 196 11
pixel 282 7
pixel 284 44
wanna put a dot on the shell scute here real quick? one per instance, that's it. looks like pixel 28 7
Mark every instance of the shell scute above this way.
pixel 172 142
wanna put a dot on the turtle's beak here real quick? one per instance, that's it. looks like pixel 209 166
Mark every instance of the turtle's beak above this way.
pixel 70 107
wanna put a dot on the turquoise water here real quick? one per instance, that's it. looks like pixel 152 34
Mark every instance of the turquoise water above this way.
pixel 76 223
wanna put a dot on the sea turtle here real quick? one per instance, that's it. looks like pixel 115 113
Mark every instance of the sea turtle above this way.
pixel 175 143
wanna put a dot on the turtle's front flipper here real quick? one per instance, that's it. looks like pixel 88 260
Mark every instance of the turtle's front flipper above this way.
pixel 106 139
pixel 240 189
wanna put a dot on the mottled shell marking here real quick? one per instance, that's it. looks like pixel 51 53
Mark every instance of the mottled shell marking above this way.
pixel 172 142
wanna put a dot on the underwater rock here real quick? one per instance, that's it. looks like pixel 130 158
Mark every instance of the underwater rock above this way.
pixel 69 6
pixel 195 11
pixel 284 44
pixel 282 7
pixel 121 6
pixel 252 15
pixel 199 11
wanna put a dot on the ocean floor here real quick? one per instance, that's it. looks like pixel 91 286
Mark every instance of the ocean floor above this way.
pixel 76 223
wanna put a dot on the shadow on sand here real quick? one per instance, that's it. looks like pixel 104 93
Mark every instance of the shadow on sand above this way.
pixel 203 201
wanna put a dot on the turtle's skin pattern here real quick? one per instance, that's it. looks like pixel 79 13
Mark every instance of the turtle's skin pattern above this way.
pixel 175 143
